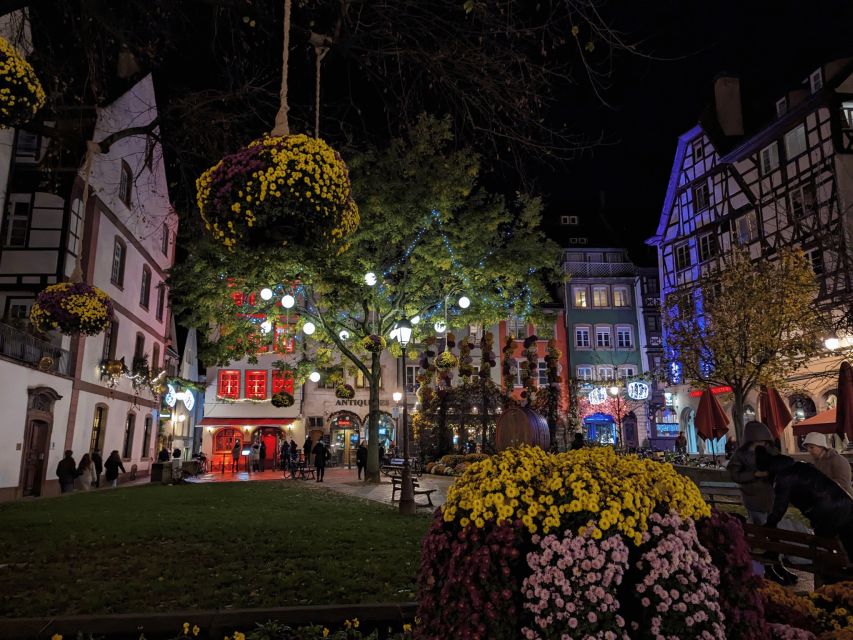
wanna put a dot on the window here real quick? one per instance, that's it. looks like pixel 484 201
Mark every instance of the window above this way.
pixel 802 201
pixel 620 297
pixel 256 385
pixel 282 381
pixel 146 438
pixel 847 115
pixel 164 240
pixel 571 220
pixel 518 373
pixel 127 447
pixel 769 158
pixel 362 383
pixel 161 300
pixel 650 286
pixel 145 288
pixel 746 228
pixel 119 254
pixel 543 373
pixel 700 196
pixel 624 338
pixel 283 343
pixel 584 373
pixel 815 258
pixel 707 247
pixel 229 384
pixel 139 347
pixel 517 328
pixel 815 81
pixel 411 381
pixel 27 144
pixel 99 428
pixel 17 220
pixel 580 297
pixel 108 351
pixel 795 142
pixel 653 323
pixel 627 372
pixel 125 187
pixel 698 150
pixel 599 296
pixel 781 107
pixel 582 337
pixel 605 373
pixel 602 338
pixel 75 227
pixel 682 256
pixel 19 308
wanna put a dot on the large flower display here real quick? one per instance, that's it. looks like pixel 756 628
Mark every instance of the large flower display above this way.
pixel 71 308
pixel 279 191
pixel 21 93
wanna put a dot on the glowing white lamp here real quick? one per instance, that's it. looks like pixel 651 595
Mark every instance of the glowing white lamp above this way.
pixel 266 326
pixel 397 396
pixel 288 301
pixel 832 343
pixel 266 293
pixel 370 278
pixel 440 326
pixel 464 302
pixel 613 391
pixel 416 320
pixel 343 334
pixel 314 376
pixel 308 328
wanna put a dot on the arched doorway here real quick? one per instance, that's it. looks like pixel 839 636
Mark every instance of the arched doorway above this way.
pixel 345 433
pixel 600 428
pixel 802 407
pixel 270 438
pixel 37 430
pixel 224 440
pixel 387 430
pixel 685 424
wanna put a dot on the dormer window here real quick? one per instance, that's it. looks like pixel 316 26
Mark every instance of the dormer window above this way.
pixel 698 151
pixel 781 107
pixel 125 187
pixel 816 81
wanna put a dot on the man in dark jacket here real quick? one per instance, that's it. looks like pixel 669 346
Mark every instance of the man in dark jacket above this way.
pixel 98 461
pixel 361 458
pixel 306 450
pixel 66 471
pixel 164 455
pixel 321 454
pixel 826 505
pixel 262 461
pixel 755 488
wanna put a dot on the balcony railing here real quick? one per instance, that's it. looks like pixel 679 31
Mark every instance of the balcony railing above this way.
pixel 30 351
pixel 599 269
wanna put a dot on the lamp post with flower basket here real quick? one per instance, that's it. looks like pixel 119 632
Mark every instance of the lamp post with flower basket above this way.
pixel 407 491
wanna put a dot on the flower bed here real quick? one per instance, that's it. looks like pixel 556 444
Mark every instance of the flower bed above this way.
pixel 21 93
pixel 72 308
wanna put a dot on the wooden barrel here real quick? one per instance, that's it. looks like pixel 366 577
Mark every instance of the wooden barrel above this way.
pixel 520 425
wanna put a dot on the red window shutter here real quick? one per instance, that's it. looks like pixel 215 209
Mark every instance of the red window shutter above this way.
pixel 237 297
pixel 256 385
pixel 282 381
pixel 229 384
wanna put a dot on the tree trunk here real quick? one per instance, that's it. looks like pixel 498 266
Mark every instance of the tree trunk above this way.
pixel 373 462
pixel 484 416
pixel 552 416
pixel 737 412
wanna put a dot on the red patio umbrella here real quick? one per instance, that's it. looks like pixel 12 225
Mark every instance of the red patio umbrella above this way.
pixel 823 422
pixel 844 408
pixel 774 412
pixel 711 421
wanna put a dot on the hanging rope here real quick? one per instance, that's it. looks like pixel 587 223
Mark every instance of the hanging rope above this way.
pixel 319 54
pixel 281 127
pixel 92 148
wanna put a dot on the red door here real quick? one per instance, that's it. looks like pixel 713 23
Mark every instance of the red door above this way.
pixel 35 453
pixel 269 436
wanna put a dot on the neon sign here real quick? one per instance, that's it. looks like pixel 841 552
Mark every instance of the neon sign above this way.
pixel 173 396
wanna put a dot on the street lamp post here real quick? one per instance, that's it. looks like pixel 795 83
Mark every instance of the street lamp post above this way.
pixel 407 491
pixel 615 393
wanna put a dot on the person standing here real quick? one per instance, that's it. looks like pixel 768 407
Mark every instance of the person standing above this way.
pixel 85 479
pixel 294 449
pixel 731 445
pixel 321 454
pixel 755 487
pixel 381 454
pixel 577 441
pixel 98 461
pixel 828 461
pixel 164 455
pixel 111 468
pixel 361 458
pixel 306 450
pixel 284 457
pixel 177 465
pixel 256 455
pixel 262 456
pixel 681 443
pixel 235 457
pixel 66 471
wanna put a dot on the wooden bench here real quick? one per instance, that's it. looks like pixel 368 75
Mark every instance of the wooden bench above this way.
pixel 722 493
pixel 306 472
pixel 828 558
pixel 397 486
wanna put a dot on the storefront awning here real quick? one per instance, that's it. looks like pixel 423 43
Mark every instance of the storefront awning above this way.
pixel 245 422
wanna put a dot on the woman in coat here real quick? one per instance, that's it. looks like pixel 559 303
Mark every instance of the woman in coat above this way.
pixel 828 461
pixel 111 468
pixel 755 487
pixel 86 476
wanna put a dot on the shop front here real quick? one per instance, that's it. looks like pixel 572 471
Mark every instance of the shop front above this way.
pixel 345 429
pixel 222 435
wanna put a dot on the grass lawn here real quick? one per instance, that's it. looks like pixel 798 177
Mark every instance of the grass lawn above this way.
pixel 204 546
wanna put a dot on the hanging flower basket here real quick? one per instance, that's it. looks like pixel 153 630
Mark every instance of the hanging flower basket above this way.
pixel 374 343
pixel 72 308
pixel 445 361
pixel 345 392
pixel 282 399
pixel 279 191
pixel 21 93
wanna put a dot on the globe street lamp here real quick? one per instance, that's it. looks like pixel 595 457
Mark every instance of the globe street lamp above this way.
pixel 407 491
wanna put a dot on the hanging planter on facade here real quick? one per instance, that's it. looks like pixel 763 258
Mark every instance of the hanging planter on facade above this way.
pixel 282 399
pixel 279 191
pixel 445 361
pixel 374 343
pixel 345 392
pixel 21 93
pixel 72 308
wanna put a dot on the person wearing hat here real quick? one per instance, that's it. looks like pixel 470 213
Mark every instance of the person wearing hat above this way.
pixel 755 487
pixel 828 461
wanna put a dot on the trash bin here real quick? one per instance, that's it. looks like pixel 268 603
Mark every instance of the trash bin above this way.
pixel 157 472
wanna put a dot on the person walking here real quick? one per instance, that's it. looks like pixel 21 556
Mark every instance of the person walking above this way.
pixel 98 461
pixel 235 457
pixel 306 450
pixel 577 441
pixel 85 479
pixel 828 461
pixel 361 458
pixel 681 443
pixel 111 468
pixel 755 488
pixel 321 455
pixel 66 471
pixel 262 456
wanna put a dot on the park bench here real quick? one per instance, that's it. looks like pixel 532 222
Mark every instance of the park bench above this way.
pixel 720 493
pixel 305 472
pixel 397 486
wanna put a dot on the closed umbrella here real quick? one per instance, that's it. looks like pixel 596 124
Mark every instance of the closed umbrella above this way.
pixel 774 412
pixel 711 421
pixel 844 407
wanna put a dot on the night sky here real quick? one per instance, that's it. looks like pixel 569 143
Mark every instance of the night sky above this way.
pixel 771 46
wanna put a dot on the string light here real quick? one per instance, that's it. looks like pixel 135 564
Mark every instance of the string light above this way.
pixel 314 376
pixel 266 293
pixel 308 328
pixel 464 302
pixel 288 301
pixel 370 278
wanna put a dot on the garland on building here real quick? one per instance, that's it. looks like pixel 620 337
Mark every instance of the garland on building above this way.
pixel 72 308
pixel 21 93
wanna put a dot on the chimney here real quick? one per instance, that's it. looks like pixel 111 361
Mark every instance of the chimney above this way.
pixel 728 105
